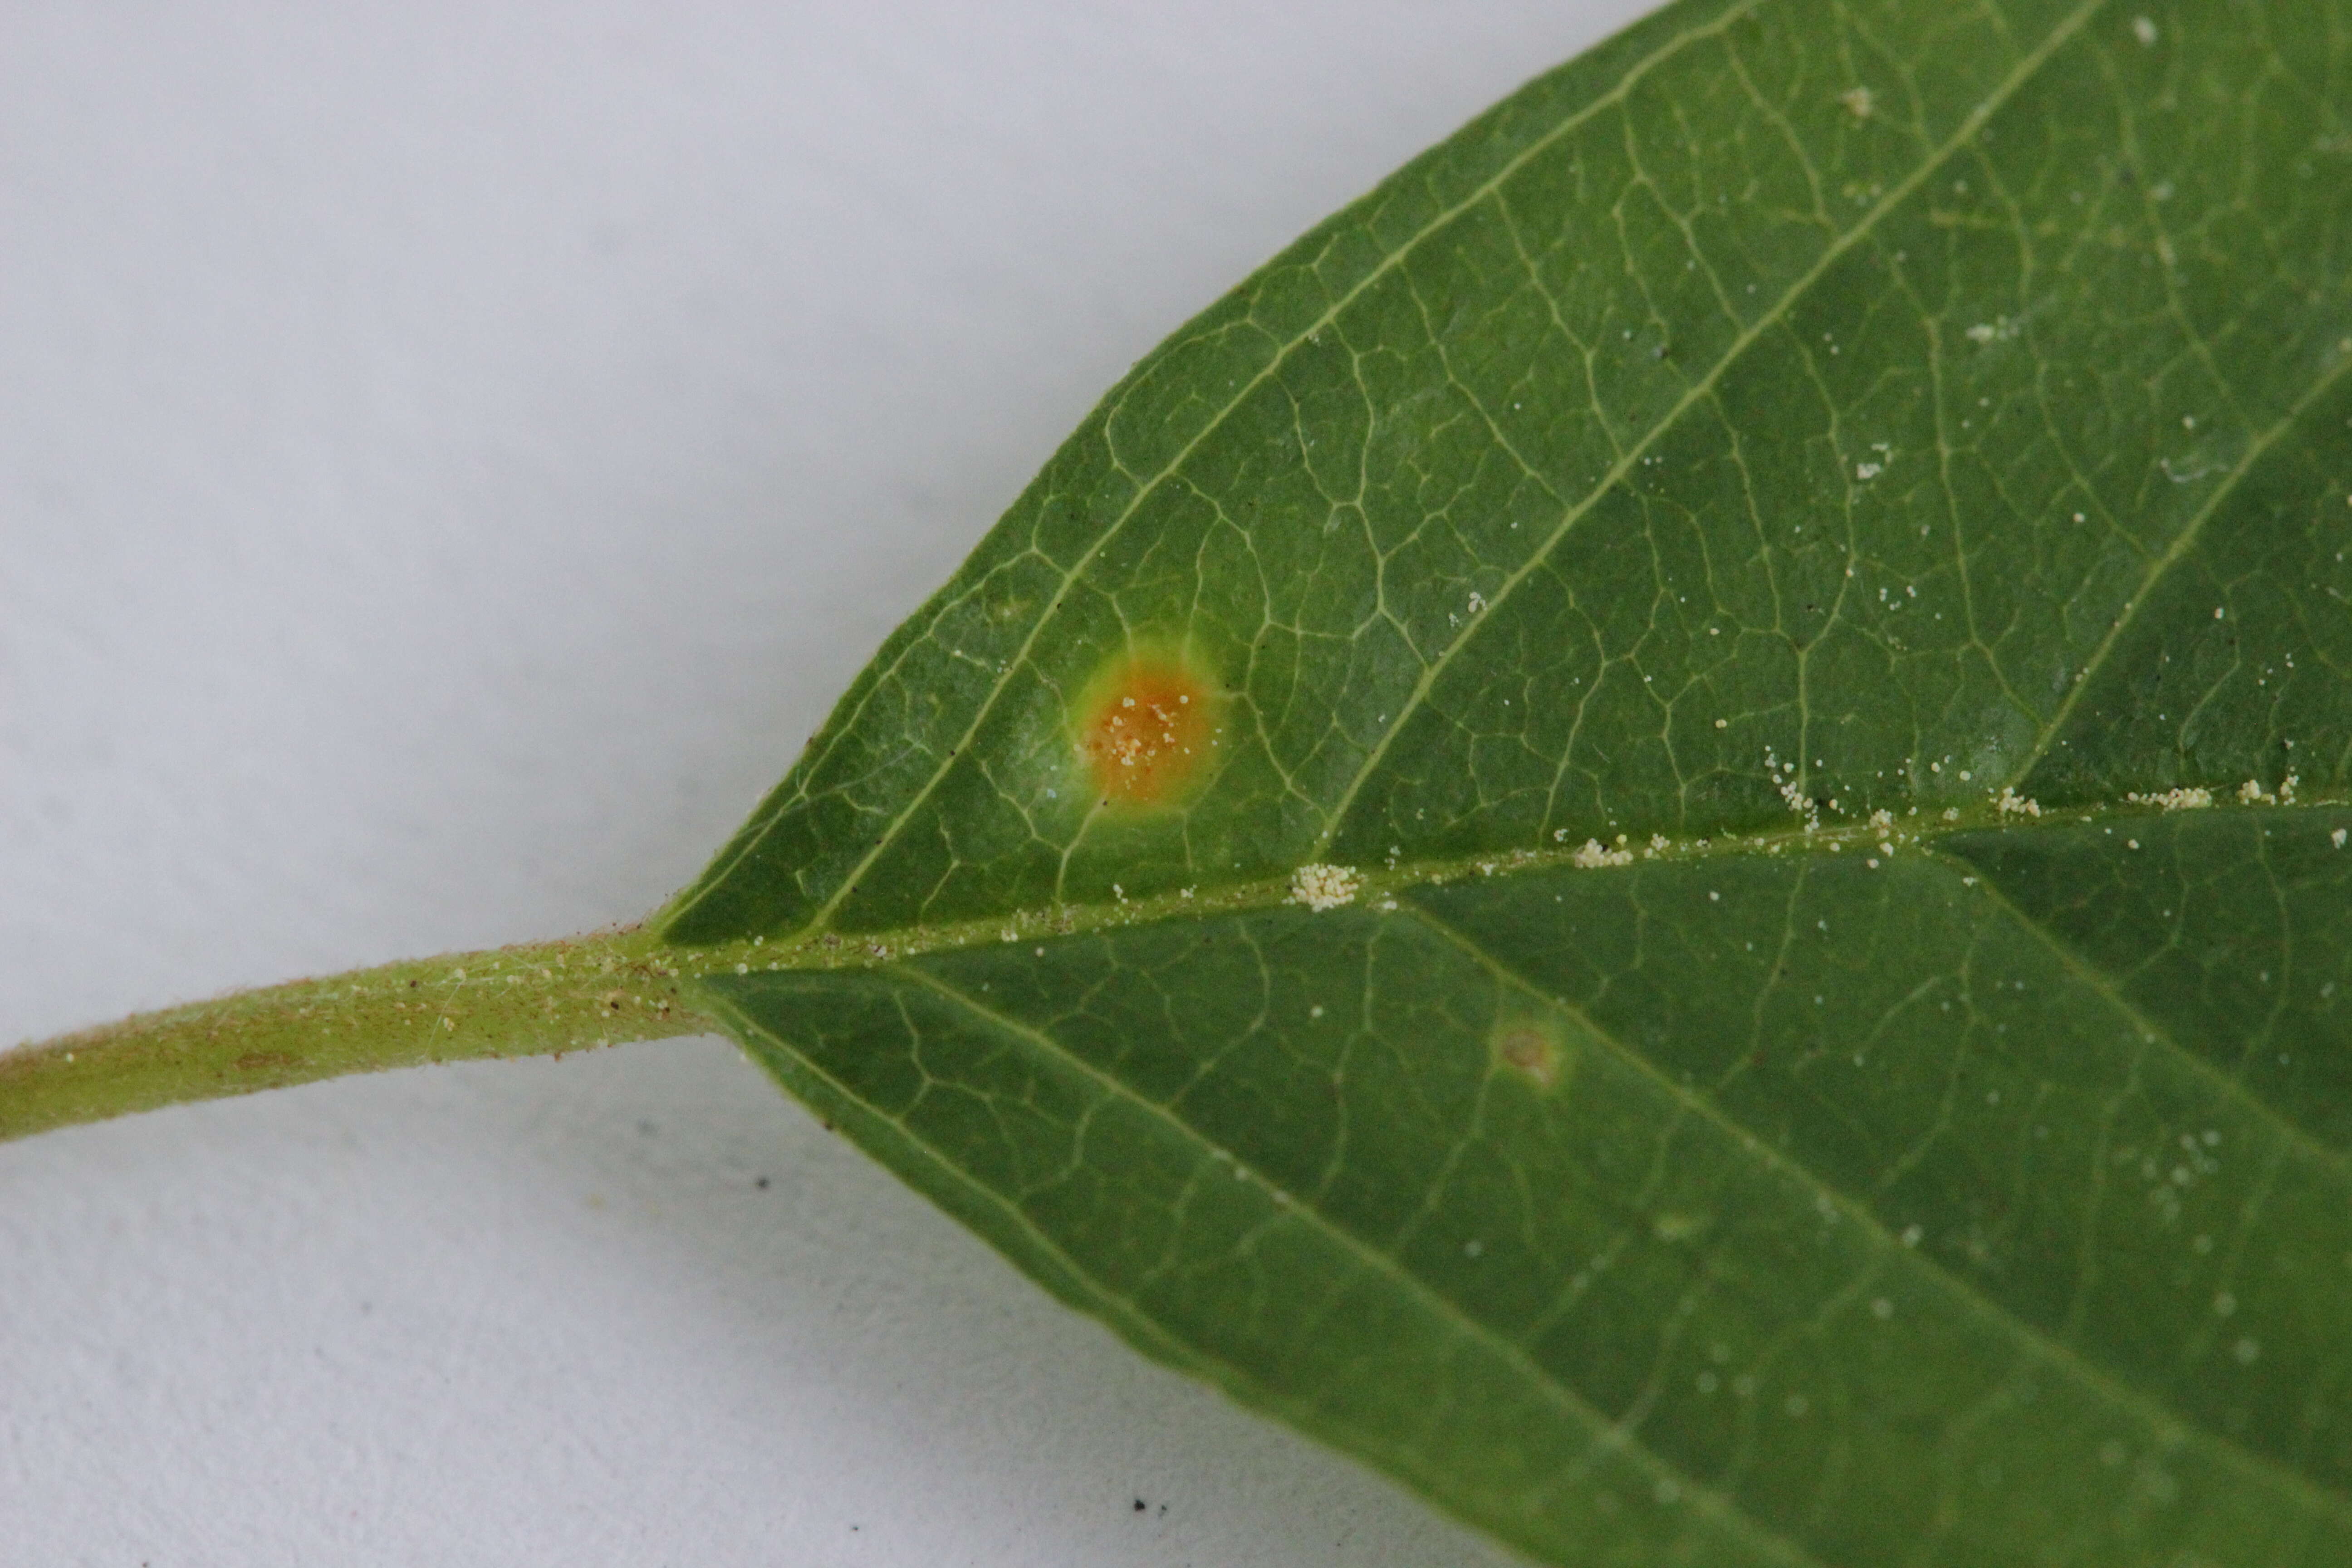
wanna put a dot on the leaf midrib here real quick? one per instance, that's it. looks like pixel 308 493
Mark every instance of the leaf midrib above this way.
pixel 811 950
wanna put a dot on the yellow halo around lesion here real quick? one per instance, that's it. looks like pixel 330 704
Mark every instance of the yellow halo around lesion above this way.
pixel 1147 727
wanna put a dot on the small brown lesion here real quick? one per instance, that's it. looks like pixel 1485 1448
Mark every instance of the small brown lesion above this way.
pixel 263 1062
pixel 1534 1047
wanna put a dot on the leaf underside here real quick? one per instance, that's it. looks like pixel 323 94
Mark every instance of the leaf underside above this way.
pixel 1723 588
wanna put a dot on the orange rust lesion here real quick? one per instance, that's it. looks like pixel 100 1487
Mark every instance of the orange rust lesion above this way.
pixel 1147 728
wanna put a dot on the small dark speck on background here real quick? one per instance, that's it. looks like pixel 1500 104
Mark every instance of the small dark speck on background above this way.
pixel 762 1183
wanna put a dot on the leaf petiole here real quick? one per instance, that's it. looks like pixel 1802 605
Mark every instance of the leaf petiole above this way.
pixel 536 999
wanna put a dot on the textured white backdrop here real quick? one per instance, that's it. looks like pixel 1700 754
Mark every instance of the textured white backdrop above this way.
pixel 450 456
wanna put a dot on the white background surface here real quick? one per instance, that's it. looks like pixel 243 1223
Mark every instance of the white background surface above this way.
pixel 449 458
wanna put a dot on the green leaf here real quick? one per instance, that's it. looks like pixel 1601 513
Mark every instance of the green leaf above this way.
pixel 1657 833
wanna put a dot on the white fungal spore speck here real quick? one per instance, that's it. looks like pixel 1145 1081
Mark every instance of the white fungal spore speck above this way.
pixel 1593 855
pixel 2187 798
pixel 1321 888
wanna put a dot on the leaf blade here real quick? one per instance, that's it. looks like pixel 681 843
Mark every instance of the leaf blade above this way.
pixel 1492 536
